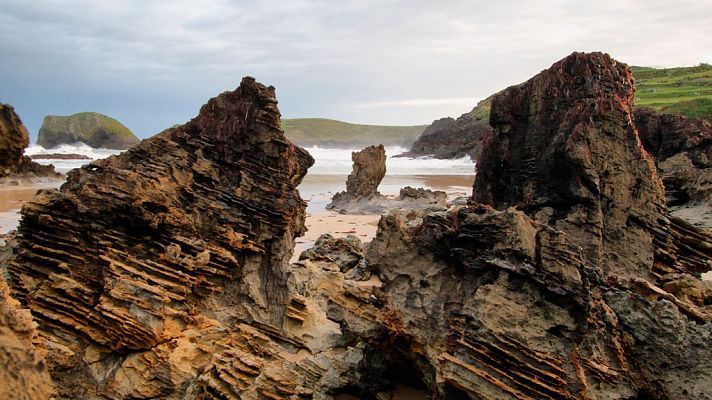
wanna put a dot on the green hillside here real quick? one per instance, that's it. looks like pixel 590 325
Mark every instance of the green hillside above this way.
pixel 331 133
pixel 685 90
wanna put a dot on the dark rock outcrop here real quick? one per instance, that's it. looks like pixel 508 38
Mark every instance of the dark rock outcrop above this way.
pixel 162 272
pixel 60 156
pixel 682 148
pixel 565 150
pixel 13 140
pixel 31 169
pixel 455 138
pixel 94 129
pixel 575 285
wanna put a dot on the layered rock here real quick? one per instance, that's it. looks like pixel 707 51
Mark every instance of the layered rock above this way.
pixel 565 150
pixel 13 140
pixel 570 282
pixel 94 129
pixel 23 372
pixel 162 272
pixel 682 148
pixel 455 138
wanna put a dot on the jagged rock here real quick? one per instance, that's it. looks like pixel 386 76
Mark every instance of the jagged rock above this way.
pixel 565 150
pixel 13 140
pixel 162 272
pixel 94 129
pixel 435 197
pixel 531 298
pixel 682 148
pixel 455 138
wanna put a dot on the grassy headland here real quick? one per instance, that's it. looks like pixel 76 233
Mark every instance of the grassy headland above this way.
pixel 331 133
pixel 684 90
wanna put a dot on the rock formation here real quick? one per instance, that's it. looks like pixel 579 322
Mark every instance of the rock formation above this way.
pixel 13 140
pixel 455 138
pixel 362 196
pixel 682 148
pixel 31 169
pixel 23 374
pixel 368 171
pixel 571 281
pixel 162 272
pixel 94 129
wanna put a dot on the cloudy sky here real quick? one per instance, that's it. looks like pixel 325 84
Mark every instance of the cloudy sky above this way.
pixel 152 64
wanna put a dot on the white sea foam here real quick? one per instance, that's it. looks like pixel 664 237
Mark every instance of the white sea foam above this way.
pixel 327 161
pixel 338 162
pixel 76 148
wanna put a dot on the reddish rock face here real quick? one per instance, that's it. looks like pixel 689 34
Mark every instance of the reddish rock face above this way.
pixel 565 150
pixel 682 148
pixel 13 140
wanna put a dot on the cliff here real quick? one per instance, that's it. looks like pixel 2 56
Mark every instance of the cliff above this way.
pixel 455 138
pixel 94 129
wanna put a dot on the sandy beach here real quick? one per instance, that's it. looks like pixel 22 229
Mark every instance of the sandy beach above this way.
pixel 317 190
pixel 13 196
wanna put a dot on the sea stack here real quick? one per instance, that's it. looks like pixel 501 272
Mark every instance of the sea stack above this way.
pixel 94 129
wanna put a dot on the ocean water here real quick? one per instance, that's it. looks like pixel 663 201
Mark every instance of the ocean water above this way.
pixel 338 162
pixel 327 161
pixel 64 166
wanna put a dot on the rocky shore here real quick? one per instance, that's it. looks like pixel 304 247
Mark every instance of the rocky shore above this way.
pixel 163 272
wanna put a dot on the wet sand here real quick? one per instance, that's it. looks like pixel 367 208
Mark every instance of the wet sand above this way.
pixel 12 197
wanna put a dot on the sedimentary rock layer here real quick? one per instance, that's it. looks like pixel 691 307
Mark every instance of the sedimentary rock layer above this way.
pixel 559 290
pixel 13 139
pixel 566 151
pixel 162 272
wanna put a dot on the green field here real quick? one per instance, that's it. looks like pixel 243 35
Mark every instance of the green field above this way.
pixel 331 133
pixel 685 90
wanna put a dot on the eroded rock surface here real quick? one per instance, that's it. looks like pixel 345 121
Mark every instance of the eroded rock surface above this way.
pixel 564 284
pixel 162 272
pixel 682 148
pixel 13 140
pixel 565 150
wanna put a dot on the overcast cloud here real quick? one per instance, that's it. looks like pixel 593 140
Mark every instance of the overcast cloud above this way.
pixel 152 64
